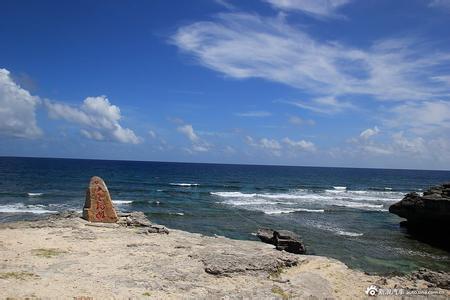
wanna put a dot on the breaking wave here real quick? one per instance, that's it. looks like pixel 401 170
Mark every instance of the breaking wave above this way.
pixel 22 208
pixel 311 201
pixel 35 194
pixel 184 184
pixel 119 202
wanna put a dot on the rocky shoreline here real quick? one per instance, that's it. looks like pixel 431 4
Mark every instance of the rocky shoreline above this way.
pixel 65 256
pixel 428 215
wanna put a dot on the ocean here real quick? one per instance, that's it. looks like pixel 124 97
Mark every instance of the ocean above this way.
pixel 338 212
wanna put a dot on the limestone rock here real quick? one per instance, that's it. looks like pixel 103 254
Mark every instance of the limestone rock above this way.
pixel 98 206
pixel 282 239
pixel 436 279
pixel 231 262
pixel 428 216
pixel 138 219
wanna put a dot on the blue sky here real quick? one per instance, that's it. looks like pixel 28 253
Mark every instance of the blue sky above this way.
pixel 294 82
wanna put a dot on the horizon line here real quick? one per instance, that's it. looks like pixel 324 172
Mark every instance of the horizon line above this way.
pixel 218 163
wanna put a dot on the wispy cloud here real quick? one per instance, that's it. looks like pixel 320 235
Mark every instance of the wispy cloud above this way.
pixel 197 144
pixel 189 132
pixel 422 118
pixel 369 132
pixel 17 109
pixel 276 147
pixel 99 119
pixel 254 114
pixel 324 105
pixel 243 45
pixel 318 8
pixel 296 120
pixel 440 3
pixel 301 145
pixel 271 145
pixel 225 3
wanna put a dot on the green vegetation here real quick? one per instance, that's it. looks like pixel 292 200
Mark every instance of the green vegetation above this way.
pixel 146 294
pixel 48 252
pixel 279 291
pixel 21 275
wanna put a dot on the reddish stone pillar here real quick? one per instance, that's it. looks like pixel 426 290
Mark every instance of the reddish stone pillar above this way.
pixel 98 206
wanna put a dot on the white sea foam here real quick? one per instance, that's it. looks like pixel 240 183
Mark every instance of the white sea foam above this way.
pixel 21 208
pixel 122 202
pixel 273 203
pixel 340 188
pixel 348 233
pixel 336 230
pixel 184 184
pixel 35 194
pixel 287 211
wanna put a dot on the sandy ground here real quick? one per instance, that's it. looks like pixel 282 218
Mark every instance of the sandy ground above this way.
pixel 68 257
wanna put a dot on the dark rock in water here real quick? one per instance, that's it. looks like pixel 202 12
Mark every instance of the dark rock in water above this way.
pixel 266 235
pixel 436 279
pixel 428 216
pixel 282 239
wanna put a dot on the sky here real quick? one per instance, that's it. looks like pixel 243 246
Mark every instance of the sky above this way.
pixel 341 83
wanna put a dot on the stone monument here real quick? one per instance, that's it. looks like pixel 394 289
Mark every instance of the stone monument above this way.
pixel 98 206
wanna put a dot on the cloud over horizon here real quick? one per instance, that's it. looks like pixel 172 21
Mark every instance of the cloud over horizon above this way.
pixel 98 118
pixel 17 109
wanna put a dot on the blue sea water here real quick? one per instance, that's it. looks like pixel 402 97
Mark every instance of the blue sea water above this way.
pixel 339 212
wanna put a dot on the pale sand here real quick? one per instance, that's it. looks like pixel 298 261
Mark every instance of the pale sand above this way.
pixel 66 258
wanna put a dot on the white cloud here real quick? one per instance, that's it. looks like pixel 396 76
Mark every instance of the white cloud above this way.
pixel 93 135
pixel 301 145
pixel 243 45
pixel 189 132
pixel 315 7
pixel 295 120
pixel 414 145
pixel 397 144
pixel 198 144
pixel 324 105
pixel 152 134
pixel 98 116
pixel 17 109
pixel 369 132
pixel 225 3
pixel 254 114
pixel 421 118
pixel 275 147
pixel 440 4
pixel 271 145
pixel 376 149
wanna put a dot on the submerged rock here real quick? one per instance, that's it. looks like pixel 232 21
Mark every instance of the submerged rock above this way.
pixel 428 216
pixel 98 206
pixel 282 239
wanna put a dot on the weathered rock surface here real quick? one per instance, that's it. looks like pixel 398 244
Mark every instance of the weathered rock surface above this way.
pixel 282 239
pixel 138 219
pixel 181 265
pixel 98 206
pixel 435 279
pixel 428 216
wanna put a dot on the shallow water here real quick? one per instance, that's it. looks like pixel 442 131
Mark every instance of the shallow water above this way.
pixel 339 212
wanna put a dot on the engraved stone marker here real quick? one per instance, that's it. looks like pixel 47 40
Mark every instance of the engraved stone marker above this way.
pixel 98 206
